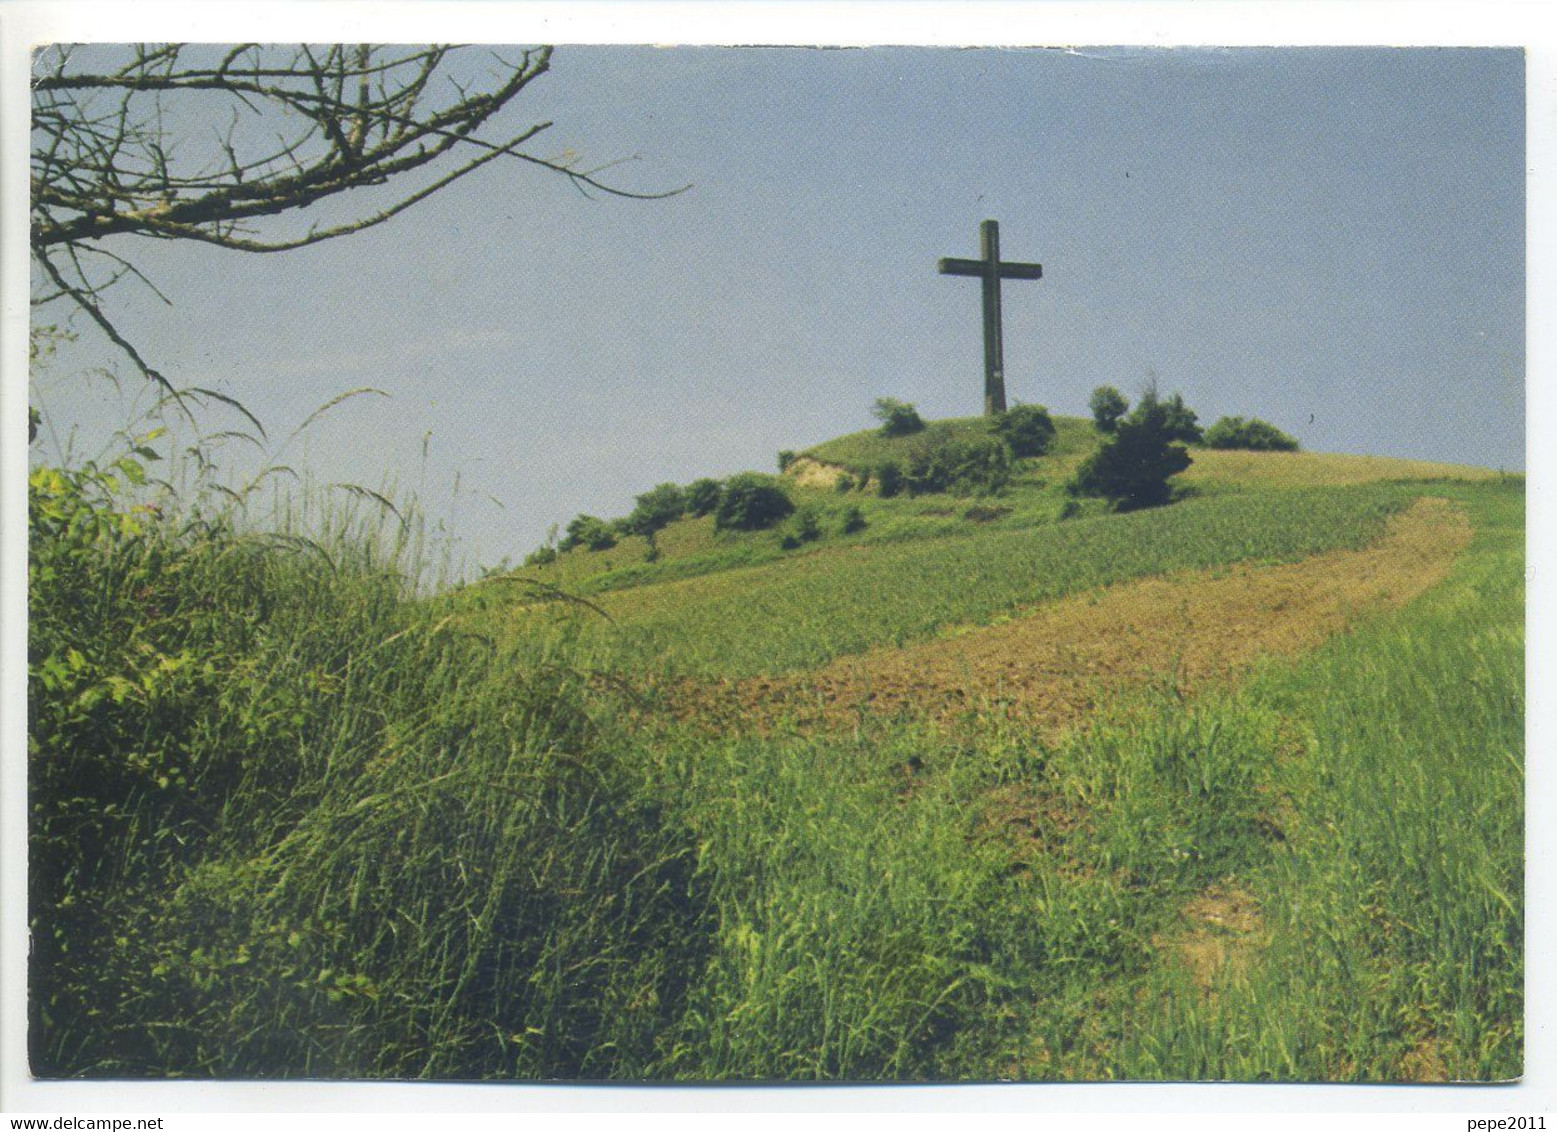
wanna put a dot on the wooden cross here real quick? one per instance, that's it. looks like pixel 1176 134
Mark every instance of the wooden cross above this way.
pixel 991 271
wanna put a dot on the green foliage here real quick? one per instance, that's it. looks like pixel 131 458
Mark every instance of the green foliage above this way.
pixel 938 462
pixel 751 502
pixel 1134 464
pixel 853 520
pixel 785 459
pixel 1182 422
pixel 541 556
pixel 589 532
pixel 898 418
pixel 285 823
pixel 1107 406
pixel 844 484
pixel 889 479
pixel 656 509
pixel 1027 430
pixel 1253 434
pixel 703 497
pixel 804 526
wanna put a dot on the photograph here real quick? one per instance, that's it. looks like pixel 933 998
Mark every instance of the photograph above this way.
pixel 655 563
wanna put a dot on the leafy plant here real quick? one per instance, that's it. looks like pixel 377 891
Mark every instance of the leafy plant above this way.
pixel 1252 434
pixel 1026 429
pixel 655 510
pixel 751 502
pixel 1107 406
pixel 898 418
pixel 703 497
pixel 803 527
pixel 1182 422
pixel 1134 464
pixel 589 532
pixel 943 463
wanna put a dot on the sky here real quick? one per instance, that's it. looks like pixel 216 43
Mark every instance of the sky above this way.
pixel 1328 238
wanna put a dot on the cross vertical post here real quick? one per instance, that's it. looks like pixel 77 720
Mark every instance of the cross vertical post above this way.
pixel 990 270
pixel 994 349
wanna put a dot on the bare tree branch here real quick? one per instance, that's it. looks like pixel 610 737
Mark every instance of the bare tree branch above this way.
pixel 112 159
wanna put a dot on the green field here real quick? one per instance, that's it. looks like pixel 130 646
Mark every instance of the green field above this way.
pixel 294 817
pixel 800 612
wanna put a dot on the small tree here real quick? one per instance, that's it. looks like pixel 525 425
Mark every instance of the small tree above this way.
pixel 1253 434
pixel 1026 429
pixel 1183 423
pixel 655 510
pixel 889 479
pixel 1133 466
pixel 702 497
pixel 898 418
pixel 1107 405
pixel 751 502
pixel 589 532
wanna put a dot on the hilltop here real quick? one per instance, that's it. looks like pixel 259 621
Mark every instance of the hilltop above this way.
pixel 833 477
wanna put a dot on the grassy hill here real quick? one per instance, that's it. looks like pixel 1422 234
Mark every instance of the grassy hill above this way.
pixel 999 786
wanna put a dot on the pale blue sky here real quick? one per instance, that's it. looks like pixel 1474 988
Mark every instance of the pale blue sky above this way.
pixel 1329 238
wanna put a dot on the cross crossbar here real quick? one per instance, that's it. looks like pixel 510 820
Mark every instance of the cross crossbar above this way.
pixel 1008 270
pixel 991 270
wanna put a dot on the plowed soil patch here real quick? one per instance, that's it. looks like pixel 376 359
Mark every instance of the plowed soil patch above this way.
pixel 1052 666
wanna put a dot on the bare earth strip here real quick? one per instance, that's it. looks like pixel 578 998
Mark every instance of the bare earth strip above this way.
pixel 1052 667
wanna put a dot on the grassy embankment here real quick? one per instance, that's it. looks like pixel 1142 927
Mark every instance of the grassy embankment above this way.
pixel 294 821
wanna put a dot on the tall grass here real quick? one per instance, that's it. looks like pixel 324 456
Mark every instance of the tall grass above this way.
pixel 1395 906
pixel 289 822
pixel 285 824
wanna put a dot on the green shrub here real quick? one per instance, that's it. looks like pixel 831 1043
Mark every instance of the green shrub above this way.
pixel 703 497
pixel 786 458
pixel 948 463
pixel 889 479
pixel 853 519
pixel 751 502
pixel 1107 406
pixel 1253 434
pixel 1026 429
pixel 1183 422
pixel 898 418
pixel 803 527
pixel 1133 466
pixel 655 510
pixel 589 532
pixel 541 556
pixel 843 484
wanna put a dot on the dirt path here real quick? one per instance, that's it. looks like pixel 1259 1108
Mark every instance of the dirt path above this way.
pixel 1052 666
